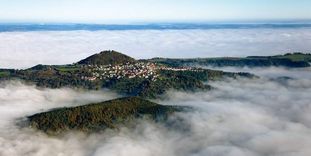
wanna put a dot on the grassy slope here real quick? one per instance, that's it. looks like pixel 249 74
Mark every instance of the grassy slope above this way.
pixel 4 74
pixel 67 68
pixel 297 57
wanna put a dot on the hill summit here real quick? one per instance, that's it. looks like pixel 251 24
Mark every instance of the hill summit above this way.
pixel 107 57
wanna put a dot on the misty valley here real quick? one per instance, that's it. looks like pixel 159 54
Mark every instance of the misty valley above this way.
pixel 155 77
pixel 112 102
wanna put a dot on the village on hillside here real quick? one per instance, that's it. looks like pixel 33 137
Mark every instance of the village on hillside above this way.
pixel 145 70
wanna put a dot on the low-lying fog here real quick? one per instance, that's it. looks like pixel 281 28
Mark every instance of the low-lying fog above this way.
pixel 26 49
pixel 242 117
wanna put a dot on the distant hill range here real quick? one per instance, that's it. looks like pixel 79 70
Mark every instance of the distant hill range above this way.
pixel 106 58
pixel 99 116
pixel 290 60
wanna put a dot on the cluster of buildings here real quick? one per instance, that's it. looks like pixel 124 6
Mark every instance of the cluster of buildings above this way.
pixel 145 70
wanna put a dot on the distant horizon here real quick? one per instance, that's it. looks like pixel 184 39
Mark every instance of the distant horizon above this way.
pixel 146 22
pixel 25 27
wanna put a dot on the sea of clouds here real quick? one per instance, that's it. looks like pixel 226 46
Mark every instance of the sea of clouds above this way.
pixel 26 49
pixel 241 117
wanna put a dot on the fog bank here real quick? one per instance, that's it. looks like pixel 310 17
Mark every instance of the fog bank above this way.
pixel 26 49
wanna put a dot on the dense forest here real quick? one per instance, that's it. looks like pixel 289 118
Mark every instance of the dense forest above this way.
pixel 107 57
pixel 99 116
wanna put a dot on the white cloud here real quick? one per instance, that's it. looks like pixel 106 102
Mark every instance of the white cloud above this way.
pixel 249 117
pixel 26 49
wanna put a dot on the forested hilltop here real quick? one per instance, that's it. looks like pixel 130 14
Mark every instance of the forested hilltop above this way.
pixel 121 73
pixel 99 116
pixel 290 60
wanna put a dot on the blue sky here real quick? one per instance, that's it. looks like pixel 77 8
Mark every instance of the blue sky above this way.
pixel 123 11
